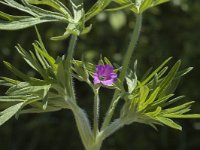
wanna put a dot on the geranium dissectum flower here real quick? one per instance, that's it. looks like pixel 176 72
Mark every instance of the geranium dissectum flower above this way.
pixel 105 75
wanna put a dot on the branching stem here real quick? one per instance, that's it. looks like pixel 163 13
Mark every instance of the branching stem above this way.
pixel 125 64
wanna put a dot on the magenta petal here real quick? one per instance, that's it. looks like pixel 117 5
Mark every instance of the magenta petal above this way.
pixel 113 76
pixel 107 82
pixel 96 79
pixel 100 69
pixel 108 69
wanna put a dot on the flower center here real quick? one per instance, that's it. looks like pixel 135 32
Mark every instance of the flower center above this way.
pixel 102 78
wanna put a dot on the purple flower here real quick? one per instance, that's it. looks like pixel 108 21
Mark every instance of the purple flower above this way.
pixel 105 75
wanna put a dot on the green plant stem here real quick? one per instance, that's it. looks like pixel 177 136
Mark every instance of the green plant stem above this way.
pixel 95 146
pixel 82 123
pixel 70 54
pixel 114 126
pixel 127 58
pixel 96 112
pixel 81 119
pixel 131 48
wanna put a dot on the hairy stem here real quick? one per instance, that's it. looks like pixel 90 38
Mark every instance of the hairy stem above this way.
pixel 82 123
pixel 81 118
pixel 70 54
pixel 125 64
pixel 131 48
pixel 114 126
pixel 96 112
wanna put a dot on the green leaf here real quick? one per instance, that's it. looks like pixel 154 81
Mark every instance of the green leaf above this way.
pixel 144 92
pixel 162 72
pixel 77 26
pixel 183 72
pixel 56 4
pixel 155 81
pixel 38 16
pixel 71 29
pixel 99 6
pixel 107 61
pixel 11 99
pixel 45 102
pixel 9 112
pixel 25 88
pixel 146 74
pixel 132 6
pixel 152 97
pixel 177 108
pixel 91 68
pixel 78 10
pixel 40 43
pixel 154 113
pixel 27 57
pixel 16 71
pixel 21 86
pixel 156 71
pixel 131 78
pixel 61 75
pixel 172 101
pixel 31 59
pixel 171 88
pixel 162 100
pixel 38 110
pixel 86 29
pixel 165 85
pixel 43 12
pixel 81 70
pixel 158 2
pixel 8 82
pixel 145 5
pixel 121 7
pixel 42 60
pixel 45 54
pixel 168 122
pixel 183 116
pixel 139 6
pixel 132 83
pixel 16 5
pixel 25 22
pixel 47 62
pixel 9 17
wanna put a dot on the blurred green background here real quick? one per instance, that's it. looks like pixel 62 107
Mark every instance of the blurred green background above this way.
pixel 172 29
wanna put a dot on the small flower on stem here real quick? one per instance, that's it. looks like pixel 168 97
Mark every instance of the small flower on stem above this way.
pixel 105 75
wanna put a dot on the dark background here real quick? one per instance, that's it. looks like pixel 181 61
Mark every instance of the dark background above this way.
pixel 172 29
